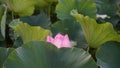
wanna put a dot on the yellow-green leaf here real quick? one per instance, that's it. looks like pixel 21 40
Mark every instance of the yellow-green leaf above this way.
pixel 1 12
pixel 41 3
pixel 21 7
pixel 3 22
pixel 96 34
pixel 31 33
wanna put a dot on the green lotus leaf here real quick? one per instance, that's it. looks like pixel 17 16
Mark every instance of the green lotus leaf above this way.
pixel 1 12
pixel 50 1
pixel 21 7
pixel 73 29
pixel 41 3
pixel 96 34
pixel 18 42
pixel 45 55
pixel 108 55
pixel 85 7
pixel 109 7
pixel 3 23
pixel 30 33
pixel 37 20
pixel 4 52
pixel 3 1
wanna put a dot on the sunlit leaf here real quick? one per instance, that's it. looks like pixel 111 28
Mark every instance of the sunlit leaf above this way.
pixel 52 1
pixel 85 7
pixel 2 1
pixel 1 11
pixel 45 55
pixel 3 22
pixel 30 33
pixel 96 34
pixel 41 3
pixel 21 7
pixel 1 15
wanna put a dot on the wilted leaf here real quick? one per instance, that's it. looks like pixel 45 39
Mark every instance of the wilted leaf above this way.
pixel 96 34
pixel 45 55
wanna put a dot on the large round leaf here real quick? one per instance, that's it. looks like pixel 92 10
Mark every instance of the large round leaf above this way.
pixel 96 34
pixel 4 52
pixel 44 55
pixel 108 55
pixel 108 7
pixel 21 7
pixel 29 33
pixel 85 7
pixel 39 20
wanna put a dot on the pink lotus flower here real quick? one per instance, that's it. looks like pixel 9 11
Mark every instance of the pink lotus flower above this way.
pixel 60 41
